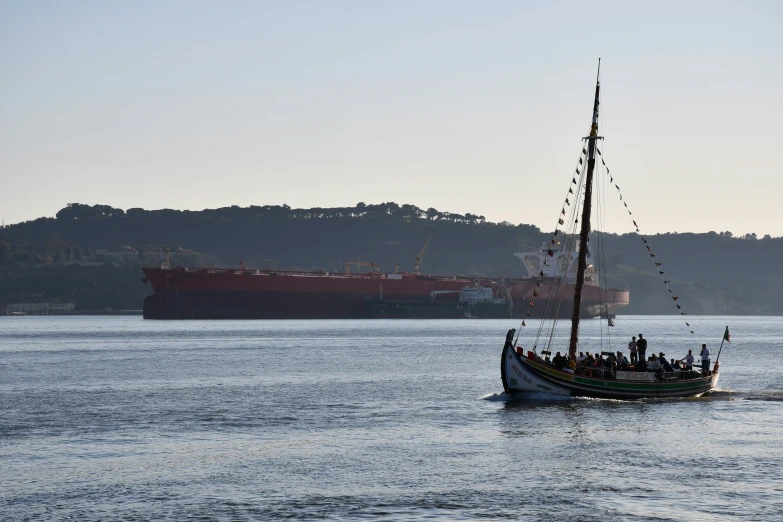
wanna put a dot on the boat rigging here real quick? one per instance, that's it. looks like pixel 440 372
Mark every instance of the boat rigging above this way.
pixel 528 372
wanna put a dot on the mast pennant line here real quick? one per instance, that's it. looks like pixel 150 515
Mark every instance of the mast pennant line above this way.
pixel 656 263
pixel 554 243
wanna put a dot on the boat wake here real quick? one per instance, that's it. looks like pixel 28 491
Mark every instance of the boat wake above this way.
pixel 524 396
pixel 495 397
pixel 745 395
pixel 769 396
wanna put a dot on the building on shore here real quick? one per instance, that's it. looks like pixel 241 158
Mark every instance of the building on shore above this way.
pixel 40 308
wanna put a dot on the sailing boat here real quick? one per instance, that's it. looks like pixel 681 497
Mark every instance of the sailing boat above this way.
pixel 522 372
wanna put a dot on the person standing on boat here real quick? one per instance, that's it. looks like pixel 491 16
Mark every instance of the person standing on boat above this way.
pixel 705 359
pixel 632 349
pixel 641 347
pixel 688 360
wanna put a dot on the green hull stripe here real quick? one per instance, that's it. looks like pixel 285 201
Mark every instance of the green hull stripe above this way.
pixel 641 386
pixel 621 385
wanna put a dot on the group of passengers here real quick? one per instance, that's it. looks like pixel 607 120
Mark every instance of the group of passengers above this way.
pixel 638 361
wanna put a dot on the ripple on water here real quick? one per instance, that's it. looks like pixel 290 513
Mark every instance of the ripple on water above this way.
pixel 119 418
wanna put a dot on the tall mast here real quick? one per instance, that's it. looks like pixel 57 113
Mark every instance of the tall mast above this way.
pixel 585 231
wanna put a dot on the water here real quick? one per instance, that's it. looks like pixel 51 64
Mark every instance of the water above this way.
pixel 120 418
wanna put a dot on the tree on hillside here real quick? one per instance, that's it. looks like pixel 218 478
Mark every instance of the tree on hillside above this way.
pixel 81 211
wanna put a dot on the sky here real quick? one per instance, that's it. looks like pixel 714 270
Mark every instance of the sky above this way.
pixel 468 107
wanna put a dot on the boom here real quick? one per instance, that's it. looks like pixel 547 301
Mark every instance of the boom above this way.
pixel 417 263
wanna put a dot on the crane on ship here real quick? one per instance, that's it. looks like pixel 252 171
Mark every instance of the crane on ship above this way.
pixel 373 266
pixel 417 263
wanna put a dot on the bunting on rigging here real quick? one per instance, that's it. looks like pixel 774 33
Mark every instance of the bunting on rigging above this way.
pixel 560 222
pixel 644 240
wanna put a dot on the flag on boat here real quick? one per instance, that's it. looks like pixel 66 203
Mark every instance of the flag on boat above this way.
pixel 726 336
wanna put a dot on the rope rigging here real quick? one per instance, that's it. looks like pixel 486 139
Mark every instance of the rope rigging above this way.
pixel 564 241
pixel 655 261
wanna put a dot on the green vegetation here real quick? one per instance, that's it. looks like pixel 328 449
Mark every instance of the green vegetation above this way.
pixel 89 287
pixel 712 273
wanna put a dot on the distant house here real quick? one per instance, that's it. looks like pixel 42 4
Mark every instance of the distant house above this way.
pixel 119 256
pixel 151 254
pixel 40 308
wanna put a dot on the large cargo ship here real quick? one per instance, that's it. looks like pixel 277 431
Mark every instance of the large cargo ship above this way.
pixel 241 293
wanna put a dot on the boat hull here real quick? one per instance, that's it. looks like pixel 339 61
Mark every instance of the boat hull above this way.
pixel 523 374
pixel 245 294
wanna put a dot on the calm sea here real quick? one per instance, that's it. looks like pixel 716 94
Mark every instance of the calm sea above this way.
pixel 117 418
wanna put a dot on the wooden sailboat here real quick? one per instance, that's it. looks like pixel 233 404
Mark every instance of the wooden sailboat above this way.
pixel 528 372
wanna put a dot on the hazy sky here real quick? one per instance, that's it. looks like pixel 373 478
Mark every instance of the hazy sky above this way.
pixel 463 106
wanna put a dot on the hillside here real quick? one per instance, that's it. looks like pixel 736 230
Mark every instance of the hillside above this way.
pixel 713 273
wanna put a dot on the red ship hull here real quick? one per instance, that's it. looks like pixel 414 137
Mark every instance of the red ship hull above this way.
pixel 183 293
